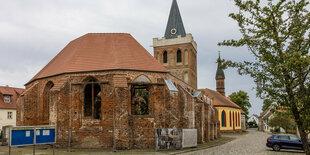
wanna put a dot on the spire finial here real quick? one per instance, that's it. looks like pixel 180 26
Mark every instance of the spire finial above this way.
pixel 219 71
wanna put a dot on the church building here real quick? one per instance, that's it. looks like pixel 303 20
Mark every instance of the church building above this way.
pixel 229 113
pixel 104 90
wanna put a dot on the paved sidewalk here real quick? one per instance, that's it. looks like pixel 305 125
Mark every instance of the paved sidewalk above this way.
pixel 253 143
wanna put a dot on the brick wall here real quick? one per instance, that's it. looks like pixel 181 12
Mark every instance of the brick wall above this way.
pixel 117 125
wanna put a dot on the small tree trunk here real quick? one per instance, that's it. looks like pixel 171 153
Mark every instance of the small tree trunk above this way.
pixel 304 139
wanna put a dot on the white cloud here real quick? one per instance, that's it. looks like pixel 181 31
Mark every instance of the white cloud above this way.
pixel 32 32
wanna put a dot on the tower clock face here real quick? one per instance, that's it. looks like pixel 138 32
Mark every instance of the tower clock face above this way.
pixel 173 31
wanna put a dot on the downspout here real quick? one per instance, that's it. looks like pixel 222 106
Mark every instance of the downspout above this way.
pixel 70 111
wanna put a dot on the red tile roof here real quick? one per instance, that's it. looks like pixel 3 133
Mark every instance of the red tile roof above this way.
pixel 14 94
pixel 98 52
pixel 219 100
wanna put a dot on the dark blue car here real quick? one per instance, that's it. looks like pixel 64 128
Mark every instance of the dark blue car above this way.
pixel 284 141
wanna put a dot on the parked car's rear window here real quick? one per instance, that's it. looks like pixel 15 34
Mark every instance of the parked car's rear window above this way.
pixel 282 137
pixel 294 138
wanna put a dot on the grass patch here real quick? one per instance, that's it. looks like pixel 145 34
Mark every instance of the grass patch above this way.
pixel 235 134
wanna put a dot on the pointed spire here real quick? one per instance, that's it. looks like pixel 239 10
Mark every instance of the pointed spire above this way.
pixel 175 25
pixel 219 71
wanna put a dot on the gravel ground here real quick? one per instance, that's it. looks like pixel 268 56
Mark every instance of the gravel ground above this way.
pixel 253 143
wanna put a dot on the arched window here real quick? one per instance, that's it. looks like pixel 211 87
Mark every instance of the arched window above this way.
pixel 230 118
pixel 179 56
pixel 140 96
pixel 47 101
pixel 239 119
pixel 186 57
pixel 236 119
pixel 92 99
pixel 233 116
pixel 223 118
pixel 165 57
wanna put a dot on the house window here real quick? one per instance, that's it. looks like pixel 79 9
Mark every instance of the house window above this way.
pixel 230 118
pixel 92 100
pixel 239 119
pixel 10 115
pixel 179 56
pixel 223 118
pixel 165 57
pixel 236 120
pixel 140 101
pixel 233 116
pixel 7 99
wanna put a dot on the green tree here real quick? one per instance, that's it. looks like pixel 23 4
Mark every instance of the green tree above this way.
pixel 282 120
pixel 276 32
pixel 267 103
pixel 253 124
pixel 241 98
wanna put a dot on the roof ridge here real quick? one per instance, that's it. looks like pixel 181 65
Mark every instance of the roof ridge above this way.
pixel 91 33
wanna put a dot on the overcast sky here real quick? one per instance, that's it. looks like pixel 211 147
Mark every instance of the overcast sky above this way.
pixel 32 32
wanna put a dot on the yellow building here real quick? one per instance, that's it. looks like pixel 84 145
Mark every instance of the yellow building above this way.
pixel 229 113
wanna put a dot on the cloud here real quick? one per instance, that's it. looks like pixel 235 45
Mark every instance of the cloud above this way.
pixel 32 32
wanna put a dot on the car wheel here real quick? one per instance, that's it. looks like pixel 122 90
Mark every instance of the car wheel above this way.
pixel 276 147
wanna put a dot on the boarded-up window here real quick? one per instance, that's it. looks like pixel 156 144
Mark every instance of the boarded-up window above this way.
pixel 186 77
pixel 92 100
pixel 186 57
pixel 140 101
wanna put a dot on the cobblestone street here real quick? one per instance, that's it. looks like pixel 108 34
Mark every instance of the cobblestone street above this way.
pixel 253 143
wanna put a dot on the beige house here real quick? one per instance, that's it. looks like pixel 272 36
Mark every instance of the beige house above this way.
pixel 8 97
pixel 264 119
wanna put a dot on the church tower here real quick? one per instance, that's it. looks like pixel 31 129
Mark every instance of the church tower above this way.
pixel 177 51
pixel 220 78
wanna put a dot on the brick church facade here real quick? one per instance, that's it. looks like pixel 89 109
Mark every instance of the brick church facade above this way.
pixel 108 91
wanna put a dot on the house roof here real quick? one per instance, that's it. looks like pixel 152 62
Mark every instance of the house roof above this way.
pixel 175 22
pixel 98 52
pixel 219 100
pixel 13 93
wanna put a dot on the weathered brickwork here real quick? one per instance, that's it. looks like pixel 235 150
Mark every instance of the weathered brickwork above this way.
pixel 117 125
pixel 186 69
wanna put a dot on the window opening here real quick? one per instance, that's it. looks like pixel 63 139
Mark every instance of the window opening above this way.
pixel 179 56
pixel 223 119
pixel 92 100
pixel 230 118
pixel 10 115
pixel 140 100
pixel 47 95
pixel 165 57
